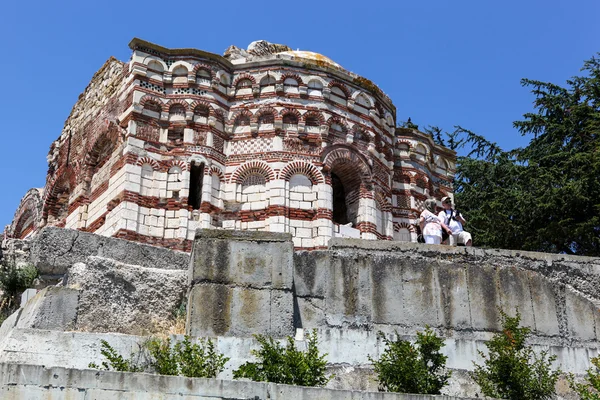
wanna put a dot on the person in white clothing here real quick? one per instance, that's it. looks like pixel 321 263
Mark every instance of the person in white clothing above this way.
pixel 432 224
pixel 454 220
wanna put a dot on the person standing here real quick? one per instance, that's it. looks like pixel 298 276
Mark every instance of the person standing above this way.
pixel 432 224
pixel 455 220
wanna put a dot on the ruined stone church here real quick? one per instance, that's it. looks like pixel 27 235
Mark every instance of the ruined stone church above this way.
pixel 263 139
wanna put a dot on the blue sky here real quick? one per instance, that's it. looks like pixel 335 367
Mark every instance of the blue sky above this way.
pixel 442 63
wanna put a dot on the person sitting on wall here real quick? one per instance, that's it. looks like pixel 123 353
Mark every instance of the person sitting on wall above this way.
pixel 454 219
pixel 432 224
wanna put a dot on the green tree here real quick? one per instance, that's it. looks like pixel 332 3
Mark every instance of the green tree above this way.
pixel 545 196
pixel 407 368
pixel 511 370
pixel 287 365
pixel 591 389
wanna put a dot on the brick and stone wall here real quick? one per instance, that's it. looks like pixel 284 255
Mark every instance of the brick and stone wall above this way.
pixel 267 140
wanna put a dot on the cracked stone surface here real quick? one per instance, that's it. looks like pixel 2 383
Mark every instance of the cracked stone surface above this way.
pixel 54 250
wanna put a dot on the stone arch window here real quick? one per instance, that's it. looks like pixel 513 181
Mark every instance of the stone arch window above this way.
pixel 403 149
pixel 180 74
pixel 362 104
pixel 203 77
pixel 244 86
pixel 253 189
pixel 201 113
pixel 290 121
pixel 421 152
pixel 266 121
pixel 315 88
pixel 174 182
pixel 154 70
pixel 403 235
pixel 147 181
pixel 301 192
pixel 267 84
pixel 177 112
pixel 196 180
pixel 312 124
pixel 338 96
pixel 441 165
pixel 152 109
pixel 337 129
pixel 290 85
pixel 362 100
pixel 241 123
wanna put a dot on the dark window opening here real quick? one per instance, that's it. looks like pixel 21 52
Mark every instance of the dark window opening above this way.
pixel 290 119
pixel 175 136
pixel 312 121
pixel 196 176
pixel 340 211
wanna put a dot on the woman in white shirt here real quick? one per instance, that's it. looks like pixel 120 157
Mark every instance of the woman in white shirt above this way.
pixel 431 224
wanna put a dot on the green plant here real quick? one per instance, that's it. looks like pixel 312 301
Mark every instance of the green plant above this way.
pixel 511 370
pixel 115 361
pixel 591 389
pixel 183 358
pixel 407 368
pixel 195 360
pixel 288 365
pixel 14 280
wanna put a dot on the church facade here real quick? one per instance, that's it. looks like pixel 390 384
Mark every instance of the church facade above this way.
pixel 263 138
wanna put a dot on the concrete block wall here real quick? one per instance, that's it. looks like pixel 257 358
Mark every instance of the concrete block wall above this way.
pixel 30 381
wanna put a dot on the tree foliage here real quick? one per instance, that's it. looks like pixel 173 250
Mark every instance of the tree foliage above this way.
pixel 407 368
pixel 545 196
pixel 590 390
pixel 511 370
pixel 287 365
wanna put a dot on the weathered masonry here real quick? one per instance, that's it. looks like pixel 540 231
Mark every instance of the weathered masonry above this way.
pixel 263 139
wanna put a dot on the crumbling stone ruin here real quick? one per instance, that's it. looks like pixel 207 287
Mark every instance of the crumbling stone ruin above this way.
pixel 262 139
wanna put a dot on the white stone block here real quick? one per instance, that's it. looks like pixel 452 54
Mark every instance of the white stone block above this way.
pixel 297 241
pixel 304 232
pixel 277 227
pixel 169 233
pixel 229 224
pixel 170 213
pixel 131 225
pixel 258 205
pixel 277 201
pixel 296 196
pixel 172 222
pixel 308 243
pixel 294 204
pixel 305 205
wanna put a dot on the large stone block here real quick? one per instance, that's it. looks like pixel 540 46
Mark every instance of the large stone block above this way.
pixel 241 284
pixel 54 250
pixel 117 297
pixel 222 310
pixel 53 308
pixel 257 259
pixel 543 299
pixel 483 297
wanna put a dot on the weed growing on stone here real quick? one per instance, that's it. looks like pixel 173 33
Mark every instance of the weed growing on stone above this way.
pixel 195 360
pixel 511 370
pixel 590 390
pixel 115 361
pixel 412 368
pixel 286 364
